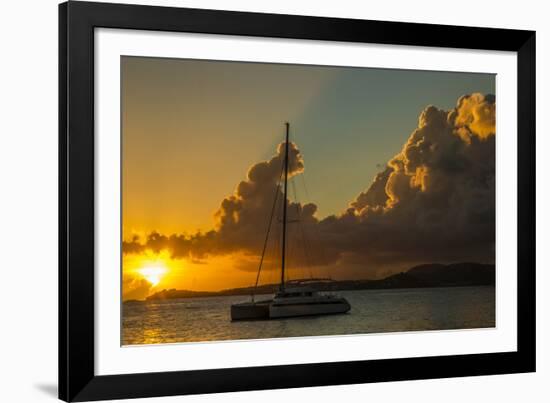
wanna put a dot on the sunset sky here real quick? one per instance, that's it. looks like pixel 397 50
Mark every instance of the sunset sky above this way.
pixel 193 130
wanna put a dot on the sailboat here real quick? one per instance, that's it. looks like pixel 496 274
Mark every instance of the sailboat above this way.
pixel 291 300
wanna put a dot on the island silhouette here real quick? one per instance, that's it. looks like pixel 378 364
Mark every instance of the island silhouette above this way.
pixel 421 276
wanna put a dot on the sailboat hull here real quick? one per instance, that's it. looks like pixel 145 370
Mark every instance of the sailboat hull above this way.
pixel 250 310
pixel 296 309
pixel 288 308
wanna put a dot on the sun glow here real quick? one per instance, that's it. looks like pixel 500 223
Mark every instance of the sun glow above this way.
pixel 146 273
pixel 153 274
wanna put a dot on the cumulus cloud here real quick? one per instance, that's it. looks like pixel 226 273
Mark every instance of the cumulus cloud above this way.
pixel 436 198
pixel 433 201
pixel 241 219
pixel 476 113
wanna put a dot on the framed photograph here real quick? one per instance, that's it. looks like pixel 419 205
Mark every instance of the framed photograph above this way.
pixel 256 201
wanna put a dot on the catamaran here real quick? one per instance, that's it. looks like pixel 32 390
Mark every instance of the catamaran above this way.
pixel 294 299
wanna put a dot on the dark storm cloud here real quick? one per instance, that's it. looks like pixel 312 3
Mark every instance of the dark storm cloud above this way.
pixel 433 201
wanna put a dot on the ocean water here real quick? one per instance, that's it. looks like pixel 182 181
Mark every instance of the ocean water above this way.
pixel 372 311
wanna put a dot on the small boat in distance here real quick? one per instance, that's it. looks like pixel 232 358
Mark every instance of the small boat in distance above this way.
pixel 295 300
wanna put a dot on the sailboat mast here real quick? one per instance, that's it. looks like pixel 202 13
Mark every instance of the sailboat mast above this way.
pixel 284 212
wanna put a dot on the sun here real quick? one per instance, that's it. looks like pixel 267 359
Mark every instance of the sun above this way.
pixel 153 274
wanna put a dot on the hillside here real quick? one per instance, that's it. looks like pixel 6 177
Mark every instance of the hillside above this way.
pixel 426 275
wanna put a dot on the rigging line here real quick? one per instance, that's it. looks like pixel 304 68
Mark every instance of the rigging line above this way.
pixel 289 245
pixel 274 276
pixel 292 246
pixel 301 229
pixel 289 253
pixel 317 230
pixel 278 237
pixel 269 265
pixel 306 251
pixel 280 228
pixel 267 234
pixel 305 187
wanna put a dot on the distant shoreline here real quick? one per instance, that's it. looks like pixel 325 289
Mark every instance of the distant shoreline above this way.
pixel 422 276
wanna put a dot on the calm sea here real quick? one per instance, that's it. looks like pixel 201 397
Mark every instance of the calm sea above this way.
pixel 372 311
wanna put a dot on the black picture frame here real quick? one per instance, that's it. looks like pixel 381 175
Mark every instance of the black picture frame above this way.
pixel 77 379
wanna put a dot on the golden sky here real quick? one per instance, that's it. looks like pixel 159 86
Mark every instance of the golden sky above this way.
pixel 193 132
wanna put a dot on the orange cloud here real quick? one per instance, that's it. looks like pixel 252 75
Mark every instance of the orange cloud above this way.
pixel 476 113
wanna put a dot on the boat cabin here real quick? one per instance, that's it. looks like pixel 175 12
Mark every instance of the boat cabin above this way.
pixel 296 293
